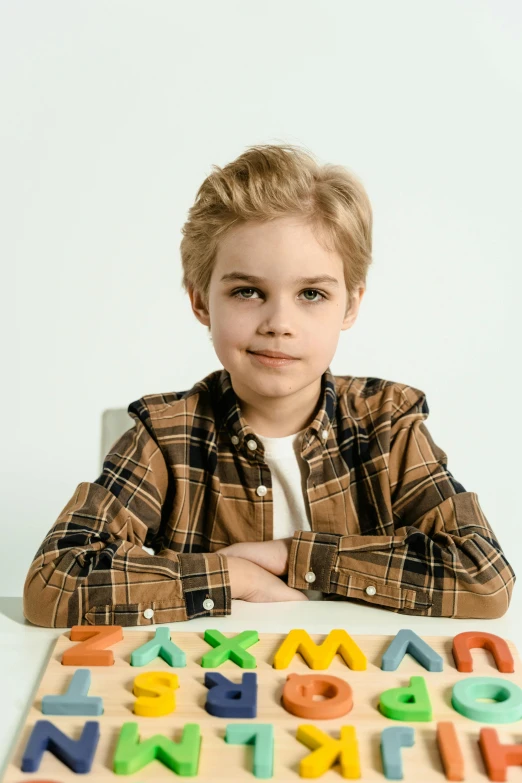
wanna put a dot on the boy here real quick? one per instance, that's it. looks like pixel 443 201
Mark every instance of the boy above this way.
pixel 272 478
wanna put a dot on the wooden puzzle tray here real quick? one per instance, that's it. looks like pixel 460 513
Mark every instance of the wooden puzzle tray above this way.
pixel 283 752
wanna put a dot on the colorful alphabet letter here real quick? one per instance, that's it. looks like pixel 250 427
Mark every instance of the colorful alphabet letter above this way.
pixel 392 740
pixel 91 651
pixel 506 695
pixel 155 691
pixel 182 757
pixel 450 752
pixel 407 641
pixel 320 656
pixel 75 701
pixel 78 755
pixel 300 689
pixel 261 735
pixel 412 703
pixel 161 646
pixel 233 649
pixel 498 757
pixel 328 750
pixel 226 699
pixel 463 642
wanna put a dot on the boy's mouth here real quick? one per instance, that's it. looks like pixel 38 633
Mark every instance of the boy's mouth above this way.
pixel 272 361
pixel 273 354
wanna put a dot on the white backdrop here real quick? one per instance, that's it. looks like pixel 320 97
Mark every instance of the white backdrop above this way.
pixel 112 114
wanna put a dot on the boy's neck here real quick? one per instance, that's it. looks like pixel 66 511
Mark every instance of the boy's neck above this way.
pixel 281 417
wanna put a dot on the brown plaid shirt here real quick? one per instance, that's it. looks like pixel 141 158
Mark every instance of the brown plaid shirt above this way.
pixel 385 512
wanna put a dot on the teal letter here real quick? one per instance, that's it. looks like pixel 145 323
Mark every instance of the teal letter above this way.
pixel 160 646
pixel 508 699
pixel 262 736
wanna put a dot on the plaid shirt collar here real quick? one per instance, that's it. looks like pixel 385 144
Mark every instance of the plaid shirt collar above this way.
pixel 240 431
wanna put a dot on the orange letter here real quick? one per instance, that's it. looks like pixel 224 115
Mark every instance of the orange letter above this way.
pixel 450 751
pixel 91 651
pixel 495 644
pixel 300 689
pixel 498 757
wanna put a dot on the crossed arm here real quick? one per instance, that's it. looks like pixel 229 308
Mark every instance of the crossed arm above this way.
pixel 255 568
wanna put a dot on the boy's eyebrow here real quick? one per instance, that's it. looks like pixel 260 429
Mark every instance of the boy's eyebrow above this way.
pixel 300 280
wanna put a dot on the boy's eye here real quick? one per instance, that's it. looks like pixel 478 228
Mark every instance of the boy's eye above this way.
pixel 238 291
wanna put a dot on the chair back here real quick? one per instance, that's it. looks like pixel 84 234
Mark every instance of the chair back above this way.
pixel 115 421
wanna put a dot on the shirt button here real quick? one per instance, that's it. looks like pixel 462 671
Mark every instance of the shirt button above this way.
pixel 148 614
pixel 252 444
pixel 324 433
pixel 370 590
pixel 261 490
pixel 310 576
pixel 208 604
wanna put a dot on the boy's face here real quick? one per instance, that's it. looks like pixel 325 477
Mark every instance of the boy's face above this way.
pixel 279 313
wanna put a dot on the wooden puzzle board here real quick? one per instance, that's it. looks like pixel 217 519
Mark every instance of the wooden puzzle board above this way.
pixel 221 761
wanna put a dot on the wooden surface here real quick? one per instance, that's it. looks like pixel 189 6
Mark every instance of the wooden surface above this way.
pixel 221 761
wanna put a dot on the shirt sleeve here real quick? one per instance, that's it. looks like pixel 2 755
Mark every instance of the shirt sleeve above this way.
pixel 91 567
pixel 442 560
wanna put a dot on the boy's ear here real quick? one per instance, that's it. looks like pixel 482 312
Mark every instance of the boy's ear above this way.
pixel 199 307
pixel 353 311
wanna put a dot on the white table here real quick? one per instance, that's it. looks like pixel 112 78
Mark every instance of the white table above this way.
pixel 25 649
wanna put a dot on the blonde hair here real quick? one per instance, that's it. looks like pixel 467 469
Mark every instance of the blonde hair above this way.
pixel 268 181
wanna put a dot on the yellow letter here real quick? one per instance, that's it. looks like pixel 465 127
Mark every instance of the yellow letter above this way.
pixel 327 751
pixel 320 656
pixel 156 693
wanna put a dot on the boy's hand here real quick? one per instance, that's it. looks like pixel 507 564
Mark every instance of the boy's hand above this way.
pixel 250 582
pixel 270 555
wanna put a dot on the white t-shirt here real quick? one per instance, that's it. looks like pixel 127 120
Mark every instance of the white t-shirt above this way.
pixel 289 474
